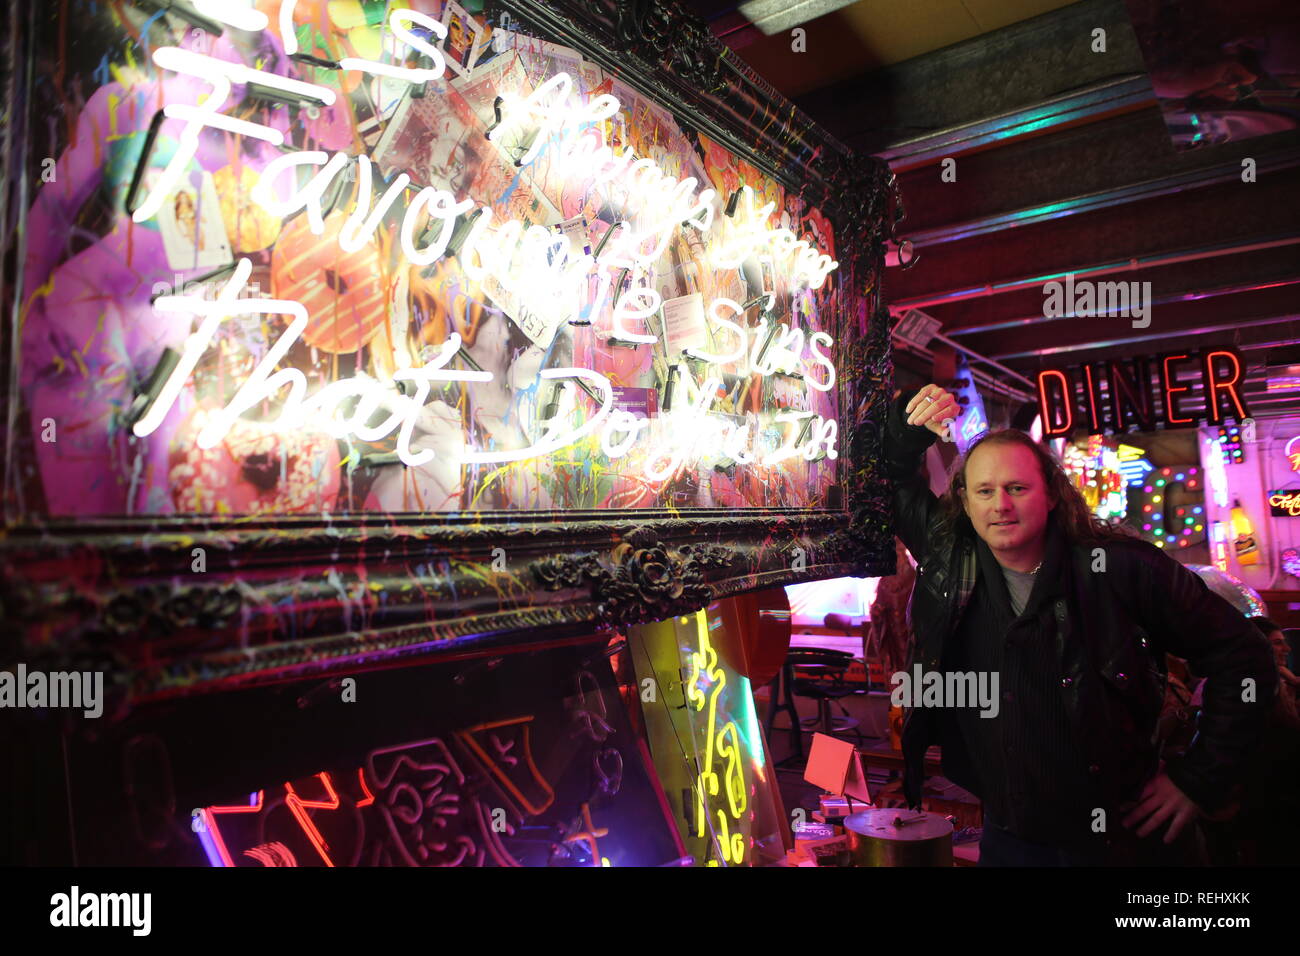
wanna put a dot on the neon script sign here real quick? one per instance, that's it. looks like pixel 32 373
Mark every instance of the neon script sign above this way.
pixel 721 744
pixel 1284 503
pixel 531 260
pixel 1292 454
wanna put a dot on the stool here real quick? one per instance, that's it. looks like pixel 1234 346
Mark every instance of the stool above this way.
pixel 828 685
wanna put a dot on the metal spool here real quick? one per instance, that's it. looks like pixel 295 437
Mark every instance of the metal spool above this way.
pixel 893 837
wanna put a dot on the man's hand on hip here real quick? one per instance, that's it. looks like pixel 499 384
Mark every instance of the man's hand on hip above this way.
pixel 1160 801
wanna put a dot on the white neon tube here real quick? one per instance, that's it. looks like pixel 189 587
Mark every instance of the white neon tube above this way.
pixel 309 196
pixel 288 35
pixel 397 22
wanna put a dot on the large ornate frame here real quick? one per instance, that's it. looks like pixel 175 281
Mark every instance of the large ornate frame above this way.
pixel 289 597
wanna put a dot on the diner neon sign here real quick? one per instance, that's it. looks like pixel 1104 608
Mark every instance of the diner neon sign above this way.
pixel 1071 398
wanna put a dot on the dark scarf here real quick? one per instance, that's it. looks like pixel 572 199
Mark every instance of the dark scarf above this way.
pixel 1050 582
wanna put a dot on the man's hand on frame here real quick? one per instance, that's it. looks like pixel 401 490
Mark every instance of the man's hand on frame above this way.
pixel 935 409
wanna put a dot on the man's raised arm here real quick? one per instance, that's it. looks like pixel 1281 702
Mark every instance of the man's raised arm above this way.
pixel 915 420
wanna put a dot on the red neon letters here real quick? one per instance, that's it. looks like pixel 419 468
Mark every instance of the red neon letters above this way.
pixel 1119 396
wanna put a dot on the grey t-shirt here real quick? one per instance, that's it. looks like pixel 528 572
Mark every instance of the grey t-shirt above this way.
pixel 1019 586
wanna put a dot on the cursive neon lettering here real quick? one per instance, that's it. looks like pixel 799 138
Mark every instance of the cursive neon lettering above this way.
pixel 398 22
pixel 739 331
pixel 551 118
pixel 219 74
pixel 288 35
pixel 626 308
pixel 551 443
pixel 442 206
pixel 307 197
pixel 540 267
pixel 361 226
pixel 821 359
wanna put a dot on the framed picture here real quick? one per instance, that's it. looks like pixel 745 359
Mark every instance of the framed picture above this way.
pixel 379 406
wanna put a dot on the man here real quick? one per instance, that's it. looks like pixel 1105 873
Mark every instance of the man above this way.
pixel 1018 581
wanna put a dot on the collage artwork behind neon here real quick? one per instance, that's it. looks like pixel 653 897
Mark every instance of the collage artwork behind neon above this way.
pixel 745 411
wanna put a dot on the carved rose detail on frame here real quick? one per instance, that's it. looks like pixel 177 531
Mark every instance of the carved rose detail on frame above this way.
pixel 648 582
pixel 124 614
pixel 650 571
pixel 708 555
pixel 566 571
pixel 860 192
pixel 678 38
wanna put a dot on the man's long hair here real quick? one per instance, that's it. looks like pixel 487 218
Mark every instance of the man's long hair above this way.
pixel 1071 513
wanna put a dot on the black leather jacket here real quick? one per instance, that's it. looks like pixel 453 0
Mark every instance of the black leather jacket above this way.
pixel 1113 631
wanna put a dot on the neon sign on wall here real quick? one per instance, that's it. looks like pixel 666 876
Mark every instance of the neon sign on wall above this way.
pixel 329 828
pixel 1215 472
pixel 721 745
pixel 472 796
pixel 379 238
pixel 1219 544
pixel 1165 520
pixel 1291 562
pixel 1292 453
pixel 1284 503
pixel 1132 404
pixel 541 262
pixel 1095 470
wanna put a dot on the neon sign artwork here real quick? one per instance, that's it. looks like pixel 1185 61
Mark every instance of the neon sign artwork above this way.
pixel 1284 503
pixel 1132 465
pixel 722 744
pixel 538 272
pixel 1132 403
pixel 1095 471
pixel 1291 562
pixel 464 272
pixel 1167 513
pixel 1219 544
pixel 554 776
pixel 973 420
pixel 1216 474
pixel 418 810
pixel 1292 453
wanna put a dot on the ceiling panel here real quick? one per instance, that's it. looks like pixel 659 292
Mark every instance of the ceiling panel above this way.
pixel 996 14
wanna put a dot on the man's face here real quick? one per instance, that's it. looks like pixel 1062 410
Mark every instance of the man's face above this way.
pixel 1006 498
pixel 1280 647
